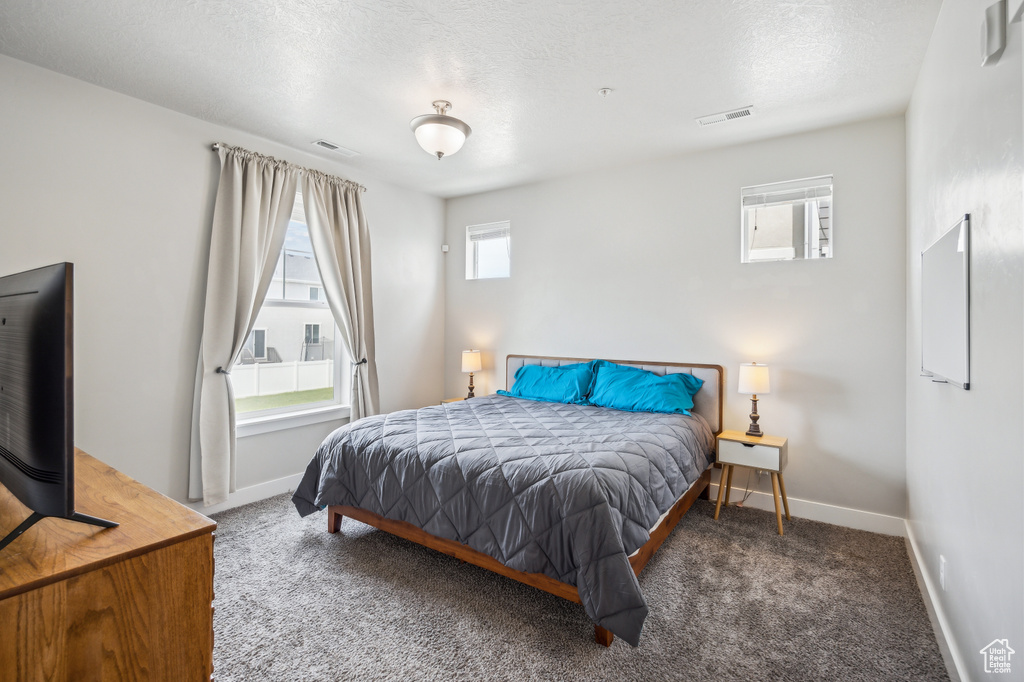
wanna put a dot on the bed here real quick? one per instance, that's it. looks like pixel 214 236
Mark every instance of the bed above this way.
pixel 569 498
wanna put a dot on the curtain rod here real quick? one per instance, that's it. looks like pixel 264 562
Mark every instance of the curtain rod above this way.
pixel 222 145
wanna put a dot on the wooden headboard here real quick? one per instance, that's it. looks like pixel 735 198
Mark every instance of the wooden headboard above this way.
pixel 707 403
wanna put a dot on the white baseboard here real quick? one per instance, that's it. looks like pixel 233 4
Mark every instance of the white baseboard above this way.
pixel 819 511
pixel 940 624
pixel 253 493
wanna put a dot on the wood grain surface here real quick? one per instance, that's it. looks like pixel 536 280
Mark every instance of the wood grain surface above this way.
pixel 138 619
pixel 80 603
pixel 55 549
pixel 741 437
pixel 451 548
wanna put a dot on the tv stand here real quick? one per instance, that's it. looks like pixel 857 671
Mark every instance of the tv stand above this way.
pixel 128 602
pixel 35 517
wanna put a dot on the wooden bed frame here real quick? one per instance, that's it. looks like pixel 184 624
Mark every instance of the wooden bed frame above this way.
pixel 639 559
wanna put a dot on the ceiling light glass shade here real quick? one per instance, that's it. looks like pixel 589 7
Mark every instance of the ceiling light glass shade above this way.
pixel 440 134
pixel 754 379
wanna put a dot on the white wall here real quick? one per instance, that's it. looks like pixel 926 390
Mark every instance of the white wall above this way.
pixel 965 478
pixel 286 330
pixel 125 190
pixel 642 263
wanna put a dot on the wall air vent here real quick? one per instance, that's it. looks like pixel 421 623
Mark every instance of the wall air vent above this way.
pixel 336 148
pixel 725 116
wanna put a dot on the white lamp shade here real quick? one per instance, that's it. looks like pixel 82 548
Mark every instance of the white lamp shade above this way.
pixel 440 138
pixel 440 134
pixel 754 379
pixel 471 361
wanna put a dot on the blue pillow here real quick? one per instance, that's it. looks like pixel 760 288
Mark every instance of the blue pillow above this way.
pixel 636 390
pixel 565 384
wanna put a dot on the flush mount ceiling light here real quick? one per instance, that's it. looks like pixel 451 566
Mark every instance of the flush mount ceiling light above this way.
pixel 440 134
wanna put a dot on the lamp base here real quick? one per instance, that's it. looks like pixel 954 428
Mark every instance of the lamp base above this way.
pixel 755 429
pixel 471 394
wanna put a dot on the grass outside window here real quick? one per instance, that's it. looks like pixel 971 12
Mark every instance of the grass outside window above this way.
pixel 269 402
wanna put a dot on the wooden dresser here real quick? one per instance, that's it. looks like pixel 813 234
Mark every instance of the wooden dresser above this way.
pixel 83 603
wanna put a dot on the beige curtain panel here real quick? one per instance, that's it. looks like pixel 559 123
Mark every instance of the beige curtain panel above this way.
pixel 254 202
pixel 341 245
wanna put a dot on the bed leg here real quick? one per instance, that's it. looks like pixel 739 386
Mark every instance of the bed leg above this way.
pixel 333 520
pixel 705 494
pixel 602 636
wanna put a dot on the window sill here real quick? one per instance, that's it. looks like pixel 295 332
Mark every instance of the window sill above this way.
pixel 290 420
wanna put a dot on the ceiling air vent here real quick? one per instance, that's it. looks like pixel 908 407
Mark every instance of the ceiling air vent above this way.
pixel 336 148
pixel 725 116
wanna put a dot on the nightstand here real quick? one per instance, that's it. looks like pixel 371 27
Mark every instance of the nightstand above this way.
pixel 451 400
pixel 768 453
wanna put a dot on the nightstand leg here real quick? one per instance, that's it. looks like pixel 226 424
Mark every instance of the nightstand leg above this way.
pixel 785 500
pixel 721 490
pixel 775 491
pixel 728 484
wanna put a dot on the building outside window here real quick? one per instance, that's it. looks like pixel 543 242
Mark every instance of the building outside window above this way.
pixel 293 359
pixel 787 220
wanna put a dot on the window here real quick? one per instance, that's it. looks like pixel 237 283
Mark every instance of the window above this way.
pixel 293 359
pixel 488 250
pixel 312 333
pixel 256 345
pixel 787 220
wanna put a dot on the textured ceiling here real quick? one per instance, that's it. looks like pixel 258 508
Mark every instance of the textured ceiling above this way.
pixel 523 73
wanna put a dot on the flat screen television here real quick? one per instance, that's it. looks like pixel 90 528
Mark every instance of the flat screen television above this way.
pixel 37 445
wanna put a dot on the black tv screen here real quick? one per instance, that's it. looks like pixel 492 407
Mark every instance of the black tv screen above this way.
pixel 36 393
pixel 37 455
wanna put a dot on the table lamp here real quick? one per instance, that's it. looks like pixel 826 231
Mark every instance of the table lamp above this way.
pixel 471 363
pixel 754 380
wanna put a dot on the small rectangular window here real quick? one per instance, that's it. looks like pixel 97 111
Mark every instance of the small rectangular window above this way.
pixel 255 346
pixel 316 294
pixel 488 250
pixel 312 333
pixel 787 220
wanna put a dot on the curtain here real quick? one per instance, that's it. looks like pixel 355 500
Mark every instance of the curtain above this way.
pixel 254 202
pixel 341 246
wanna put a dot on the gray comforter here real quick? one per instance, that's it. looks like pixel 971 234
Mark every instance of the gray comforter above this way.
pixel 565 490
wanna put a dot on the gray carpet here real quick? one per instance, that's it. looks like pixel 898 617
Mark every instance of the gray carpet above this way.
pixel 730 600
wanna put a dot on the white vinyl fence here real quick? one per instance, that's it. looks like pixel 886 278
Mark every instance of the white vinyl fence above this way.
pixel 269 378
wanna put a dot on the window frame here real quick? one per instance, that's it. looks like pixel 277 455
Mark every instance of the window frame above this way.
pixel 313 335
pixel 788 193
pixel 293 416
pixel 253 335
pixel 503 230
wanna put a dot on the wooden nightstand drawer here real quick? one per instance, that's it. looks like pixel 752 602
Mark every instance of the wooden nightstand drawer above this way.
pixel 755 456
pixel 769 453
